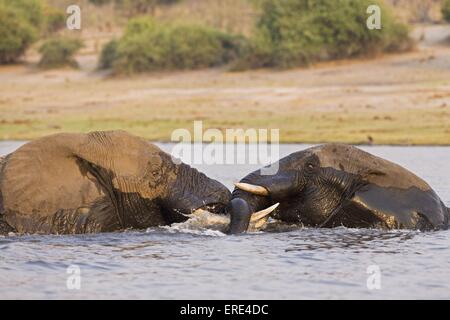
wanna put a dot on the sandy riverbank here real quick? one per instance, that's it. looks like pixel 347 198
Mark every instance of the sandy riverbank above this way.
pixel 396 99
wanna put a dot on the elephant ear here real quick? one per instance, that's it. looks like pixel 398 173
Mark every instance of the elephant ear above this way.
pixel 42 177
pixel 129 163
pixel 67 171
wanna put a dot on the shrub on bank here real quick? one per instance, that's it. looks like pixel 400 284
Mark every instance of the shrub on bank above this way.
pixel 16 33
pixel 30 10
pixel 446 10
pixel 55 19
pixel 108 55
pixel 149 45
pixel 298 32
pixel 59 52
pixel 100 2
pixel 288 33
pixel 132 8
pixel 21 23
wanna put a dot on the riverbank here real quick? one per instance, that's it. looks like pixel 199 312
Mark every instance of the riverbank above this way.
pixel 396 99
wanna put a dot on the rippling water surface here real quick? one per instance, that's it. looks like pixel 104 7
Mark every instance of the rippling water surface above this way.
pixel 191 263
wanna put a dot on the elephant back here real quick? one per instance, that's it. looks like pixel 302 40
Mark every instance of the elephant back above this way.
pixel 373 169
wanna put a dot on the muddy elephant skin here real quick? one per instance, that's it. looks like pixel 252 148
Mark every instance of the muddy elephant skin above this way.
pixel 340 185
pixel 99 182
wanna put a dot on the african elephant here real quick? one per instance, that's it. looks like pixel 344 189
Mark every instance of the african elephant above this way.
pixel 99 182
pixel 339 185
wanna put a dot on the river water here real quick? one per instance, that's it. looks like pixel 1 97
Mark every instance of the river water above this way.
pixel 182 262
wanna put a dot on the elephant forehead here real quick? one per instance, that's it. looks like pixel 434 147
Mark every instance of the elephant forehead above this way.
pixel 121 153
pixel 371 168
pixel 135 165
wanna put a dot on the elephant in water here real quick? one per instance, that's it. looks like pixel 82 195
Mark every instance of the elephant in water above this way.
pixel 339 185
pixel 99 182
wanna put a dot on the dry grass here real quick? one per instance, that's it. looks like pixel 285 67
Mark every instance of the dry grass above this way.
pixel 237 16
pixel 422 11
pixel 234 16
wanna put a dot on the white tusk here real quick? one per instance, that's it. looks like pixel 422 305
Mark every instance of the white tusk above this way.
pixel 263 213
pixel 258 190
pixel 258 225
pixel 196 213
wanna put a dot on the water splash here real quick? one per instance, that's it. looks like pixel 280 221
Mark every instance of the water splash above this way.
pixel 200 223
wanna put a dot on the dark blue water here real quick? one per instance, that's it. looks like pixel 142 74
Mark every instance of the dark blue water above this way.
pixel 185 261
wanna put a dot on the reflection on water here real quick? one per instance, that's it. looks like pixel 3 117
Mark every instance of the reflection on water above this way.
pixel 351 239
pixel 182 261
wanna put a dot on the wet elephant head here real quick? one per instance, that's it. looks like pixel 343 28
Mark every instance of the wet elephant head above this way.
pixel 335 184
pixel 190 190
pixel 193 195
pixel 258 190
pixel 147 177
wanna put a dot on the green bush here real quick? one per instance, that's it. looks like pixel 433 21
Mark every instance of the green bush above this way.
pixel 148 45
pixel 31 10
pixel 446 10
pixel 100 2
pixel 108 55
pixel 298 32
pixel 59 52
pixel 55 19
pixel 17 32
pixel 39 14
pixel 132 8
pixel 137 4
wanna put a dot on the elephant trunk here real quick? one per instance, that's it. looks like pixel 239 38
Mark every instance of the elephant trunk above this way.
pixel 241 208
pixel 257 191
pixel 193 190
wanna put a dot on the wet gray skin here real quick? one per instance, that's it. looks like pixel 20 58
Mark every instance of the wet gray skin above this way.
pixel 339 185
pixel 99 182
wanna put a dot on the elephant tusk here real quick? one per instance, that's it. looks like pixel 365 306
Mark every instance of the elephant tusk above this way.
pixel 258 190
pixel 263 213
pixel 258 225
